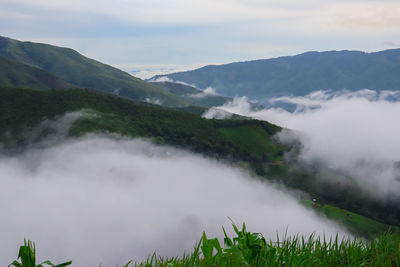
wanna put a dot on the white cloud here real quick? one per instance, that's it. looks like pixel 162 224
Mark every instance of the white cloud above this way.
pixel 356 132
pixel 146 71
pixel 164 79
pixel 216 113
pixel 106 200
pixel 209 91
pixel 239 105
pixel 153 100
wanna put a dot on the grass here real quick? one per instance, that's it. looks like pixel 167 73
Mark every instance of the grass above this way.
pixel 251 138
pixel 355 223
pixel 27 255
pixel 253 249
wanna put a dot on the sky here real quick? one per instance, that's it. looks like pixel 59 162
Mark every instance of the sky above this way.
pixel 146 37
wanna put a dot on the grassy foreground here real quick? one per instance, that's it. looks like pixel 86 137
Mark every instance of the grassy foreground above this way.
pixel 252 249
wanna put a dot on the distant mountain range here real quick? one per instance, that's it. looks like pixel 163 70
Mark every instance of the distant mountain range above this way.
pixel 42 66
pixel 299 75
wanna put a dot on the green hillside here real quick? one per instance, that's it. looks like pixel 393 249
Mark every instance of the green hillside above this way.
pixel 133 119
pixel 76 69
pixel 15 74
pixel 248 143
pixel 354 222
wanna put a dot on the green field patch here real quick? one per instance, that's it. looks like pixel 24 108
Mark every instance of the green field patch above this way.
pixel 252 138
pixel 354 222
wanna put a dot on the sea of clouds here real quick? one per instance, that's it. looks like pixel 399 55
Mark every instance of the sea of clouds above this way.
pixel 104 199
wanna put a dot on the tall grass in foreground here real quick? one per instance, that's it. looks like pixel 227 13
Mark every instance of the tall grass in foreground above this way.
pixel 27 255
pixel 252 249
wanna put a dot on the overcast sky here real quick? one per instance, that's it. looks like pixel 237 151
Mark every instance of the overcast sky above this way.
pixel 179 34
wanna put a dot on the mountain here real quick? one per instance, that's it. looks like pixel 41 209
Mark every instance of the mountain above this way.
pixel 300 75
pixel 194 96
pixel 80 71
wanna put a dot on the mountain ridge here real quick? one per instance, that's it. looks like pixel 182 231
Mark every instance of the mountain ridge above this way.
pixel 300 74
pixel 80 71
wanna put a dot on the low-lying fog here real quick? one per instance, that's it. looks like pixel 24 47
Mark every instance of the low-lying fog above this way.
pixel 102 199
pixel 355 132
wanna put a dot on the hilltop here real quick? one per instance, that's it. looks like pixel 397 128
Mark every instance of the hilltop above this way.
pixel 70 66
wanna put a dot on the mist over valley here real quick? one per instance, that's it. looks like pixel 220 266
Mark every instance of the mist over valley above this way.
pixel 285 153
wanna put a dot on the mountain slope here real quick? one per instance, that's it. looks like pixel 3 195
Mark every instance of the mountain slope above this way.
pixel 134 119
pixel 17 75
pixel 81 71
pixel 301 74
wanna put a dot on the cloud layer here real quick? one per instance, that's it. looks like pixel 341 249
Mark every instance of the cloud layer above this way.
pixel 106 200
pixel 353 131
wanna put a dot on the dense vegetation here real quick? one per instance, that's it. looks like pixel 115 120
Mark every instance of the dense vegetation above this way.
pixel 249 143
pixel 22 108
pixel 76 69
pixel 252 249
pixel 301 74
